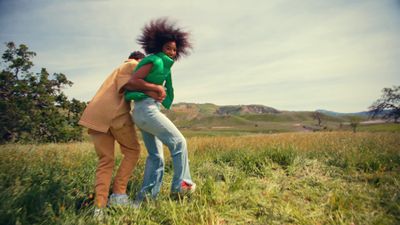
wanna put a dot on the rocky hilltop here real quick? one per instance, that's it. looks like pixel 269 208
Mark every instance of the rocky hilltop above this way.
pixel 192 110
pixel 245 109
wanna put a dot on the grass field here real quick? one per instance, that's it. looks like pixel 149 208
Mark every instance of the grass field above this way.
pixel 286 178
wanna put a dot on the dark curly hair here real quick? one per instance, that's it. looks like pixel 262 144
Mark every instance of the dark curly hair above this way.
pixel 136 55
pixel 160 31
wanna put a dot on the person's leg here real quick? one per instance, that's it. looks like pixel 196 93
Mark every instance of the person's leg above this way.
pixel 154 169
pixel 148 118
pixel 104 145
pixel 127 138
pixel 177 146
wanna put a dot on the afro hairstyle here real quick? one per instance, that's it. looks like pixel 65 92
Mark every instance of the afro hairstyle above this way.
pixel 160 31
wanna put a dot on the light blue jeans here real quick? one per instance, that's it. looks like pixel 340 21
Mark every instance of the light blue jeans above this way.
pixel 157 130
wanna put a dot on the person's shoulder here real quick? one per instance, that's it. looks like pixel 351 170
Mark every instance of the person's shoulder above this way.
pixel 131 62
pixel 128 66
pixel 151 56
pixel 155 59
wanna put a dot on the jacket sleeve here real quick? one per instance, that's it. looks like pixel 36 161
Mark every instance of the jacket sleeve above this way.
pixel 134 95
pixel 170 92
pixel 157 66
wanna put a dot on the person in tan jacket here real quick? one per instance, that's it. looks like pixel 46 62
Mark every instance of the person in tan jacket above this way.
pixel 108 120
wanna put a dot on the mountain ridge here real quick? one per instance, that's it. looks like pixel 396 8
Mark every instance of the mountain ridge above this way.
pixel 256 118
pixel 256 109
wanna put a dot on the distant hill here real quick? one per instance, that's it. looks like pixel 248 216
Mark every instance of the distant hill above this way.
pixel 245 109
pixel 188 111
pixel 332 113
pixel 364 114
pixel 252 118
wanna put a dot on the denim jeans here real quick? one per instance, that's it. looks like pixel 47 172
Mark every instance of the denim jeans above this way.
pixel 157 130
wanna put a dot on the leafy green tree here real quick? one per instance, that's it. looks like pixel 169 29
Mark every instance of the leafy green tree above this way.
pixel 33 107
pixel 388 105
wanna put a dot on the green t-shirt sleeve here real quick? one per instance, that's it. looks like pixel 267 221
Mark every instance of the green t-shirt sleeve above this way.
pixel 134 95
pixel 157 64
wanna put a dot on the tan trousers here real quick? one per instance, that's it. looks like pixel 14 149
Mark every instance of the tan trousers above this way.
pixel 104 144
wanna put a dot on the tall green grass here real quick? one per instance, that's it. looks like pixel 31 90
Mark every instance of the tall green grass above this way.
pixel 292 178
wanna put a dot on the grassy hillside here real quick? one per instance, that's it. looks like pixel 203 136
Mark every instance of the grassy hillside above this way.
pixel 290 178
pixel 251 118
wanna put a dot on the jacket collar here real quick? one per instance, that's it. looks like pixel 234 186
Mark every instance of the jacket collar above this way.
pixel 168 62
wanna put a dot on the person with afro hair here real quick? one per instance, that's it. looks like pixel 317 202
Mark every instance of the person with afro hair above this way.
pixel 164 43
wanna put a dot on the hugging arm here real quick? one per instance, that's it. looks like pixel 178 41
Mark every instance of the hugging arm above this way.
pixel 137 83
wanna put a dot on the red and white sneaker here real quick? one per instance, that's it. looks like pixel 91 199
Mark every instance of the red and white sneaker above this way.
pixel 187 188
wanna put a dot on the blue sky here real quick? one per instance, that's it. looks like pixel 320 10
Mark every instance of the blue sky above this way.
pixel 290 55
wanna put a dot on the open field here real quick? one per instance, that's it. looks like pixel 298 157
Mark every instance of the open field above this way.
pixel 285 178
pixel 283 127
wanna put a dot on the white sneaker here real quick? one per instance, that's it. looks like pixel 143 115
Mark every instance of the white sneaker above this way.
pixel 187 188
pixel 119 200
pixel 99 214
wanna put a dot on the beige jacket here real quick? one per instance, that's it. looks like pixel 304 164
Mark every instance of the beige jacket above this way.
pixel 108 107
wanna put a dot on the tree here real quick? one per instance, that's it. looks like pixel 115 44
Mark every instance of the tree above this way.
pixel 317 116
pixel 354 123
pixel 388 105
pixel 33 106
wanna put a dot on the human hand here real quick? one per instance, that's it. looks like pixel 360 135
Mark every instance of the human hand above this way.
pixel 155 96
pixel 161 91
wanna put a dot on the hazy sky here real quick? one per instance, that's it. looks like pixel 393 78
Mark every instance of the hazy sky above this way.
pixel 290 55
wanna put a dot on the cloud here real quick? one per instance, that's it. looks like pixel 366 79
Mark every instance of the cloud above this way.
pixel 289 55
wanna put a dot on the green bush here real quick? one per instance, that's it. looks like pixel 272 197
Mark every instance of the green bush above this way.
pixel 33 107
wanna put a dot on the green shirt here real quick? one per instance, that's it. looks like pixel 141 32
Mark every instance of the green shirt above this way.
pixel 159 74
